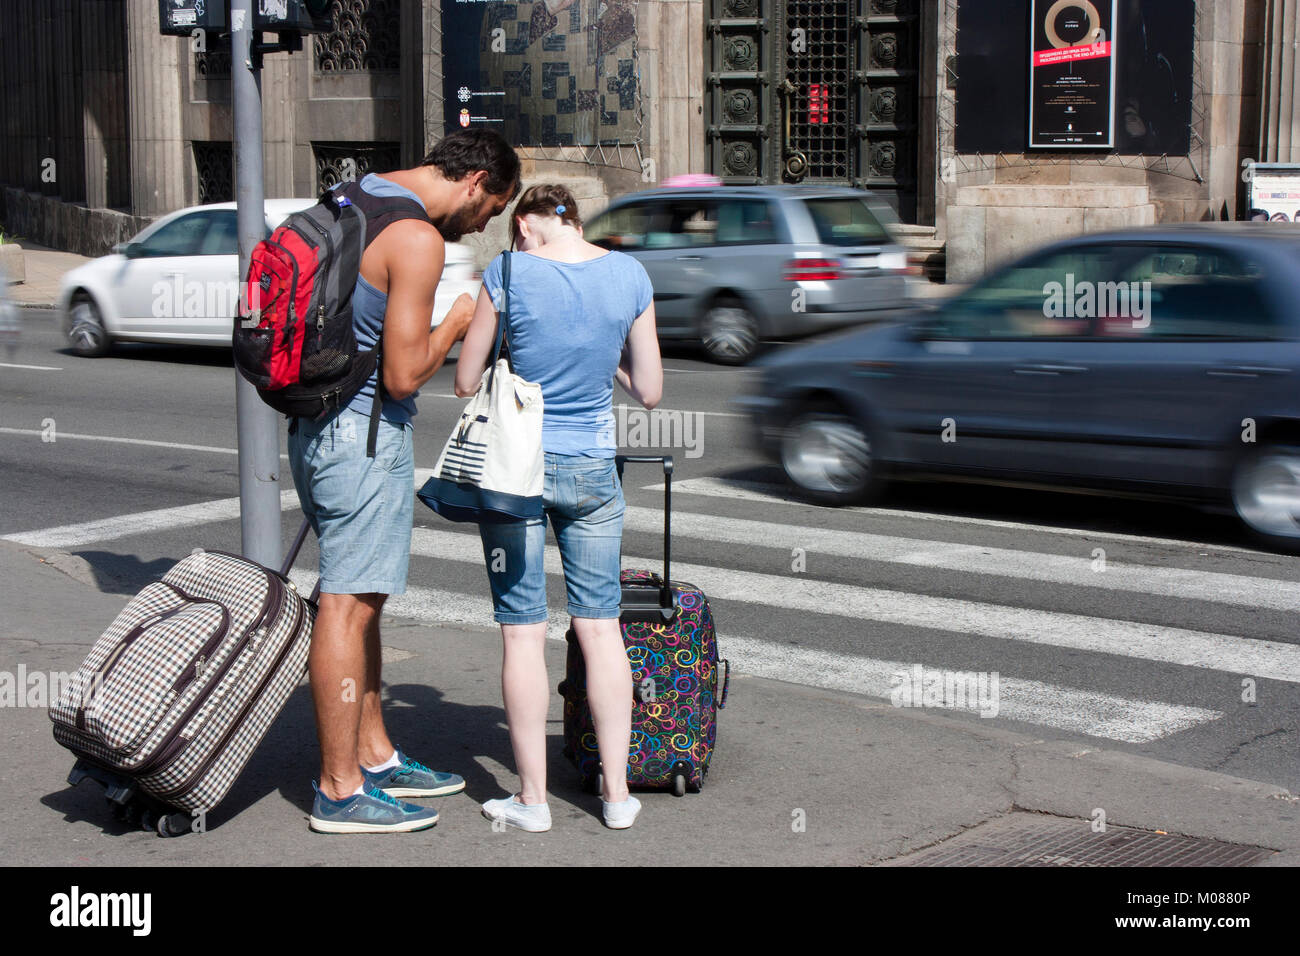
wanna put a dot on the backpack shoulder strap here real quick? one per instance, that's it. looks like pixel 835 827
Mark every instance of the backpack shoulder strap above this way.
pixel 381 211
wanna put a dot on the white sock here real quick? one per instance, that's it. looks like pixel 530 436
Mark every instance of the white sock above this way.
pixel 360 791
pixel 388 764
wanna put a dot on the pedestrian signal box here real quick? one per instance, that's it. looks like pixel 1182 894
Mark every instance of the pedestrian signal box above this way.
pixel 293 16
pixel 183 17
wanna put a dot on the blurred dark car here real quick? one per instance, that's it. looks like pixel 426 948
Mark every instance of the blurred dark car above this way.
pixel 1161 360
pixel 735 265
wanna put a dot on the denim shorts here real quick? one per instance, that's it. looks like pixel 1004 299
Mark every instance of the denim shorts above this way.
pixel 360 508
pixel 584 501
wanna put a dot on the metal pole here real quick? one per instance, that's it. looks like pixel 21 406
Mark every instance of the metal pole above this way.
pixel 259 438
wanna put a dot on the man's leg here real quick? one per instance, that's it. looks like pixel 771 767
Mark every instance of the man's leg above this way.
pixel 373 746
pixel 340 682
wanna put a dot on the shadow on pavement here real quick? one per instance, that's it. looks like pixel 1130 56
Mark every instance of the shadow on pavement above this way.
pixel 214 357
pixel 124 573
pixel 1082 510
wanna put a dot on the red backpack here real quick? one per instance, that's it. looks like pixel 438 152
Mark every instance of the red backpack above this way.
pixel 294 337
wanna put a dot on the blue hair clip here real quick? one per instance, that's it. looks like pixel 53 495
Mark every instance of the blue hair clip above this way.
pixel 559 210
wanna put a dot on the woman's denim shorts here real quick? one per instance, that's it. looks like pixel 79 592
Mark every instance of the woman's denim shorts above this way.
pixel 584 501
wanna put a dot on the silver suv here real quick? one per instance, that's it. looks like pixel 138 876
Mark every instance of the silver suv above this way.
pixel 735 265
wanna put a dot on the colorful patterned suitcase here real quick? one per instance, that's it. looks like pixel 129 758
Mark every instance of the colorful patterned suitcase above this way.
pixel 173 698
pixel 678 681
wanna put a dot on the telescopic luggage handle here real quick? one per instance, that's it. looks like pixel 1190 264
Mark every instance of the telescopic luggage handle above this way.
pixel 292 556
pixel 635 605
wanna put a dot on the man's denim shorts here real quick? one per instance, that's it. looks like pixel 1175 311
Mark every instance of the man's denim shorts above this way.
pixel 360 508
pixel 584 501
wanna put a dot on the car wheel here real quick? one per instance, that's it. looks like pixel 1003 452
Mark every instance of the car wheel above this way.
pixel 827 455
pixel 1266 494
pixel 85 328
pixel 729 332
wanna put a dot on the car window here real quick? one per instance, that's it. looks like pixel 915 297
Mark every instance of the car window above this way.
pixel 222 238
pixel 846 221
pixel 683 224
pixel 1044 297
pixel 621 228
pixel 1197 292
pixel 746 222
pixel 180 237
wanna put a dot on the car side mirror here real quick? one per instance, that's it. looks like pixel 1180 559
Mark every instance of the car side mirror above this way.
pixel 132 250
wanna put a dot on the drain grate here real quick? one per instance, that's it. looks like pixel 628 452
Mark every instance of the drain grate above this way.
pixel 1031 839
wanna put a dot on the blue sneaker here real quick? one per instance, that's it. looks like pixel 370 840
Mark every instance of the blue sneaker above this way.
pixel 371 812
pixel 410 778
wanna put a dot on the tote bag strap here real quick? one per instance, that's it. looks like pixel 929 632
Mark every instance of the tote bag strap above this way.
pixel 502 320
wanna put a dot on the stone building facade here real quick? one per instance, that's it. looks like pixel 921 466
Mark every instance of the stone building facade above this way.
pixel 109 124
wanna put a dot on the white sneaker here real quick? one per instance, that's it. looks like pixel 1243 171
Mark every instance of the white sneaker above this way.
pixel 620 816
pixel 533 817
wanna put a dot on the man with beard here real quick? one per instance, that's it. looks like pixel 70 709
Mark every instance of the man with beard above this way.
pixel 361 507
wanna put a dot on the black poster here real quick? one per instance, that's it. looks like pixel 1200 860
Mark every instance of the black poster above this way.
pixel 543 73
pixel 1072 74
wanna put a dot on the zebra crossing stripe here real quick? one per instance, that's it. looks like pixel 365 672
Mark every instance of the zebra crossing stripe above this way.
pixel 143 522
pixel 767 492
pixel 1078 569
pixel 1050 705
pixel 1254 658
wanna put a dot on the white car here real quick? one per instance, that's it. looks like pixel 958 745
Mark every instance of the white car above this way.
pixel 177 281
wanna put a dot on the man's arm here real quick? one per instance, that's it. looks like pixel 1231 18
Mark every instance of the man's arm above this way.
pixel 414 254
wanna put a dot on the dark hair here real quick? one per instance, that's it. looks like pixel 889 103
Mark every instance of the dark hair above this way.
pixel 468 150
pixel 543 199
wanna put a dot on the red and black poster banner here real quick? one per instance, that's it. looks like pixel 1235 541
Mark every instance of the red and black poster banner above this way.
pixel 1072 74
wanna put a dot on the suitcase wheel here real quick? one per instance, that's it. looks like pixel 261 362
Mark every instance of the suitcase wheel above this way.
pixel 128 812
pixel 679 785
pixel 174 824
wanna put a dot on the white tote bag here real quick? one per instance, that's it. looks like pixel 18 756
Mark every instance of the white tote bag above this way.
pixel 491 468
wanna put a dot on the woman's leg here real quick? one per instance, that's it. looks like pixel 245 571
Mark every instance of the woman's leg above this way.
pixel 527 695
pixel 609 695
pixel 588 523
pixel 514 555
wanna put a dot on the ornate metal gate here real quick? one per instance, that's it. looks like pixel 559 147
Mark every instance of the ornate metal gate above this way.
pixel 821 91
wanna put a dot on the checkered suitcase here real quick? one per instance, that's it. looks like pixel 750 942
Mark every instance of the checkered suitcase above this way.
pixel 173 698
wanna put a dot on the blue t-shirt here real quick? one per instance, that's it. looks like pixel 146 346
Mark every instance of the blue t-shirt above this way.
pixel 568 325
pixel 368 308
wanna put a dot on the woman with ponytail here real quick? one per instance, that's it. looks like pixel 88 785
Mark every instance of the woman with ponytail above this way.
pixel 581 318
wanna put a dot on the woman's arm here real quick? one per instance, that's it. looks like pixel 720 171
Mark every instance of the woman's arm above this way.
pixel 476 352
pixel 641 372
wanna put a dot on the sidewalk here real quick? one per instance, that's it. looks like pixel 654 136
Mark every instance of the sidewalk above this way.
pixel 868 782
pixel 45 269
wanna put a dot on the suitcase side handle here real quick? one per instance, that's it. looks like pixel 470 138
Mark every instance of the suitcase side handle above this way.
pixel 726 682
pixel 666 605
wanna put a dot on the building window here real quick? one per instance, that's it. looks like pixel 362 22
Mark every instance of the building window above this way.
pixel 366 37
pixel 215 163
pixel 343 162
